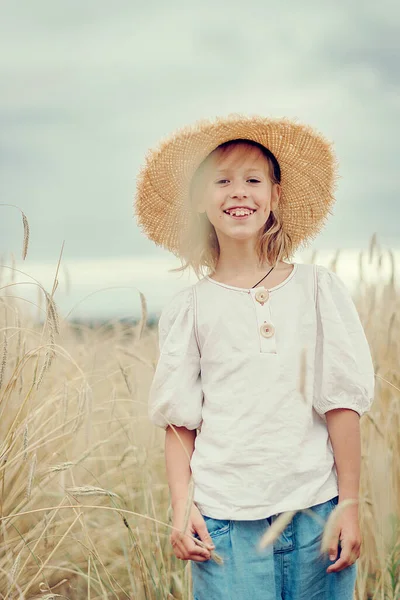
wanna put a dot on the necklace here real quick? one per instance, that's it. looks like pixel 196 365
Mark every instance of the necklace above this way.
pixel 262 278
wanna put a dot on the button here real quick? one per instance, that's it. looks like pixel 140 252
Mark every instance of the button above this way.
pixel 267 330
pixel 262 295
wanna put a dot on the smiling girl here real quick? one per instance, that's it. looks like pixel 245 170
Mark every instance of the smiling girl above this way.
pixel 264 367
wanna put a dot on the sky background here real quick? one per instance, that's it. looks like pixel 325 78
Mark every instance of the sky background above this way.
pixel 87 87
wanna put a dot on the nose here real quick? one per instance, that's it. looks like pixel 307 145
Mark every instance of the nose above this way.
pixel 238 190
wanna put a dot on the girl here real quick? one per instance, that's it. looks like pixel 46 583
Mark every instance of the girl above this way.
pixel 264 367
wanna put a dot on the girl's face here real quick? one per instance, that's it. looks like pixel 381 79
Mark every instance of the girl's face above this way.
pixel 239 178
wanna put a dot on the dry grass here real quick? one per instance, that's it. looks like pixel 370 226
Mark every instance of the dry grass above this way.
pixel 83 494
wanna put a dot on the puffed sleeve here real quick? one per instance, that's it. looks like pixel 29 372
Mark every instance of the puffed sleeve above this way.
pixel 176 394
pixel 344 371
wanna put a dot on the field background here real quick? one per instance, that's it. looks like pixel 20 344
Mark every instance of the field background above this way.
pixel 84 498
pixel 88 88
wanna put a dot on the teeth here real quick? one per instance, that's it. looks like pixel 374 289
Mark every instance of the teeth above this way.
pixel 240 212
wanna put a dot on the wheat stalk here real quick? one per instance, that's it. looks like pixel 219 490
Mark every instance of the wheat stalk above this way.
pixel 25 442
pixel 143 319
pixel 372 248
pixel 15 567
pixel 26 236
pixel 302 377
pixel 89 490
pixel 276 528
pixel 4 358
pixel 31 475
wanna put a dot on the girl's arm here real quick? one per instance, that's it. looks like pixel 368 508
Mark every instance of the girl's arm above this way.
pixel 344 432
pixel 179 446
pixel 178 452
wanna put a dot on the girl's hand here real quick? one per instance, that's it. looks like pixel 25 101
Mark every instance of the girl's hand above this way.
pixel 186 547
pixel 348 532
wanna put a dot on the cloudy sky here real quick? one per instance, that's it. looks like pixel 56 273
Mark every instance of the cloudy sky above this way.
pixel 87 87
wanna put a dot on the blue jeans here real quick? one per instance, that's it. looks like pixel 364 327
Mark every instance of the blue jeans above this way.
pixel 290 569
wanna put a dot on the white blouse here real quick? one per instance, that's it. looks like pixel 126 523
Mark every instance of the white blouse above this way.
pixel 256 370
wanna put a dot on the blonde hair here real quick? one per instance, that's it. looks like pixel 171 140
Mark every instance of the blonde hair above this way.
pixel 199 246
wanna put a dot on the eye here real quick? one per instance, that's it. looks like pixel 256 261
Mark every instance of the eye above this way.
pixel 222 180
pixel 254 180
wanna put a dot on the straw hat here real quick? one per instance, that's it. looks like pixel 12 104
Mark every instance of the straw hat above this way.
pixel 306 159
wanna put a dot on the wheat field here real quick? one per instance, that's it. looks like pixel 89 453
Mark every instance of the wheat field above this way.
pixel 84 501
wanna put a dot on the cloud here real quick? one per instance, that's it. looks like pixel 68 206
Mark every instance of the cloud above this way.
pixel 90 87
